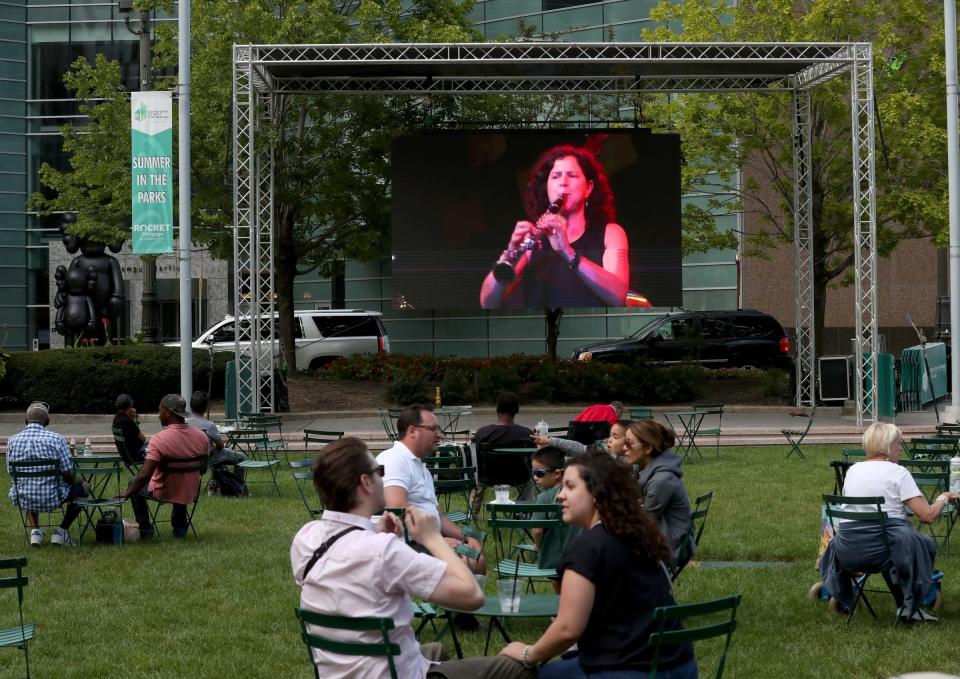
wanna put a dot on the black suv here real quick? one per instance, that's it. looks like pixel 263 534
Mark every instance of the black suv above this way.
pixel 719 339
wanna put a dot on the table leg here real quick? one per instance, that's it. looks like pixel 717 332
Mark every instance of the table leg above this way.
pixel 452 626
pixel 495 622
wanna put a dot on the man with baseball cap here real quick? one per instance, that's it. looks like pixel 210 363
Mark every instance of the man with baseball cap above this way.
pixel 176 442
pixel 44 493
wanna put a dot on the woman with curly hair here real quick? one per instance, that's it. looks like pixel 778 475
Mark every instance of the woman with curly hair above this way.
pixel 579 256
pixel 613 577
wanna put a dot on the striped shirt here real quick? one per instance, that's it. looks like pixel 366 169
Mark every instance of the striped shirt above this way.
pixel 39 494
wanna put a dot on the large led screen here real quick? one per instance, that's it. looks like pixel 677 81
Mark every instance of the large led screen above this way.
pixel 536 219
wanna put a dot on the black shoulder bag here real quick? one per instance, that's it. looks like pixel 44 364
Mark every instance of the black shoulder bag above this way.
pixel 322 549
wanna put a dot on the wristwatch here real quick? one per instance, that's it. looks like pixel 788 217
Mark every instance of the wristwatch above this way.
pixel 575 262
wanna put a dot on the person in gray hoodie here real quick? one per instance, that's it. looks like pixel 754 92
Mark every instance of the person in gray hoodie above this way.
pixel 647 446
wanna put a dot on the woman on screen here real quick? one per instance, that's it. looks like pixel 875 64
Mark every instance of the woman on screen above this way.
pixel 570 252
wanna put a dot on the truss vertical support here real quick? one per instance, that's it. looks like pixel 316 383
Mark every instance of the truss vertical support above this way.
pixel 803 249
pixel 265 323
pixel 244 217
pixel 864 231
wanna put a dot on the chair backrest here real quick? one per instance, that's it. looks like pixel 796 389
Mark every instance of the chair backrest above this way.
pixel 510 523
pixel 193 465
pixel 834 512
pixel 388 418
pixel 496 468
pixel 15 578
pixel 664 615
pixel 32 469
pixel 303 478
pixel 320 437
pixel 852 453
pixel 641 413
pixel 931 476
pixel 701 506
pixel 840 469
pixel 806 429
pixel 253 442
pixel 587 433
pixel 383 648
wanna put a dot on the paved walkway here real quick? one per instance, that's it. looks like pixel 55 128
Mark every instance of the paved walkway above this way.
pixel 741 425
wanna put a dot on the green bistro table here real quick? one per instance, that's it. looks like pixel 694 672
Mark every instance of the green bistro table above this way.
pixel 450 417
pixel 690 421
pixel 98 470
pixel 531 606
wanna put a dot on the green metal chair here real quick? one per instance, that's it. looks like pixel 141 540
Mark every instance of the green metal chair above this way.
pixel 102 497
pixel 640 413
pixel 454 482
pixel 22 472
pixel 303 479
pixel 712 410
pixel 510 526
pixel 875 515
pixel 18 636
pixel 260 455
pixel 268 422
pixel 855 454
pixel 698 519
pixel 932 478
pixel 682 612
pixel 314 439
pixel 121 443
pixel 379 649
pixel 795 436
pixel 388 418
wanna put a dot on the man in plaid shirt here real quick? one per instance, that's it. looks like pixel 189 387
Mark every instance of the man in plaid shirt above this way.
pixel 44 493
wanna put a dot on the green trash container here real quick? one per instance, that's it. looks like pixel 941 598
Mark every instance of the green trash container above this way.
pixel 886 387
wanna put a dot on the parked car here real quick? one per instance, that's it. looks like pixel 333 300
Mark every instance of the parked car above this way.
pixel 320 335
pixel 711 338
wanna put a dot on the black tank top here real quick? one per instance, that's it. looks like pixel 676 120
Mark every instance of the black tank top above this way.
pixel 548 281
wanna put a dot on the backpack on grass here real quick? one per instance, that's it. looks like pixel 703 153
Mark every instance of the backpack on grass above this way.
pixel 229 483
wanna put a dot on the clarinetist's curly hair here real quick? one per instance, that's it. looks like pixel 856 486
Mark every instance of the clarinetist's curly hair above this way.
pixel 612 486
pixel 600 210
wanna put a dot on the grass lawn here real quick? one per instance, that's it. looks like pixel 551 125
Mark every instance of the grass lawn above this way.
pixel 224 606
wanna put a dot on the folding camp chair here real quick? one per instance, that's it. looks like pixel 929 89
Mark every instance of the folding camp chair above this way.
pixel 662 636
pixel 18 635
pixel 197 465
pixel 795 436
pixel 260 455
pixel 26 472
pixel 510 525
pixel 875 515
pixel 313 639
pixel 707 427
pixel 303 480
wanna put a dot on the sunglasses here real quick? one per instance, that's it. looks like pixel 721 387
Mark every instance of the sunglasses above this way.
pixel 540 473
pixel 378 470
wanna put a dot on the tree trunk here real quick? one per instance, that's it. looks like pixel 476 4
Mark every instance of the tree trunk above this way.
pixel 552 318
pixel 285 258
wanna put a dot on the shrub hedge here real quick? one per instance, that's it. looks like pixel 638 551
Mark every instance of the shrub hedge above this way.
pixel 465 380
pixel 88 380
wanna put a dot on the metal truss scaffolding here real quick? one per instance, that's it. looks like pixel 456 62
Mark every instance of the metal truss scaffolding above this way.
pixel 263 73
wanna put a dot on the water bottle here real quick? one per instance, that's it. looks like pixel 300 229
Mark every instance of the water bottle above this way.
pixel 955 475
pixel 543 429
pixel 87 448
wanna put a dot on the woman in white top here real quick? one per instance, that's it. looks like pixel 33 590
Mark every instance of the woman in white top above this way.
pixel 860 546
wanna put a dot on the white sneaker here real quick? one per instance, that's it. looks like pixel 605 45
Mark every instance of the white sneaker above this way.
pixel 923 616
pixel 61 536
pixel 36 537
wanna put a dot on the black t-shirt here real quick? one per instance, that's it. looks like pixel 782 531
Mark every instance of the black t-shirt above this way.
pixel 131 437
pixel 627 591
pixel 508 470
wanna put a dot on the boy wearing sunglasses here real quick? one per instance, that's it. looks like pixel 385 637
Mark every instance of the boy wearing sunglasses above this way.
pixel 547 469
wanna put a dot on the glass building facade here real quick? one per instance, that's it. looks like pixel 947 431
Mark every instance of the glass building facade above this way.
pixel 39 39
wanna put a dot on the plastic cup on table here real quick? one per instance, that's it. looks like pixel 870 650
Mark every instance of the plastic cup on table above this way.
pixel 501 494
pixel 508 590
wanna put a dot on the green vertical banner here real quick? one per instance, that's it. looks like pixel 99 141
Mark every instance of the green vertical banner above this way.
pixel 151 137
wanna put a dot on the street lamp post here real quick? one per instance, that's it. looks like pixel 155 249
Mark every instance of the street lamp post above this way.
pixel 953 174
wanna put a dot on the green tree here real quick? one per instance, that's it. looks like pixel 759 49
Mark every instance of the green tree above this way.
pixel 723 133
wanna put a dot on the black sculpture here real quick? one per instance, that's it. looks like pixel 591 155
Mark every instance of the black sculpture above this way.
pixel 89 292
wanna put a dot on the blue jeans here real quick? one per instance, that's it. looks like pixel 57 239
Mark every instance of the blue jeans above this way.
pixel 570 669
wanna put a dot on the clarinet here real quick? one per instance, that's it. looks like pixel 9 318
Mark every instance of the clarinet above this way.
pixel 504 271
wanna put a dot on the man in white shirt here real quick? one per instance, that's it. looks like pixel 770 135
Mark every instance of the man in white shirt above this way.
pixel 370 572
pixel 407 481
